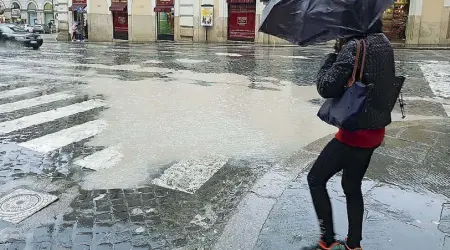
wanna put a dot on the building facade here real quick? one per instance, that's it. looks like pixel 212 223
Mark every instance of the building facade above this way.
pixel 428 22
pixel 414 22
pixel 27 11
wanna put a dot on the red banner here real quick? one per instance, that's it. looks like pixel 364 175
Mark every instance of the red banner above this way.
pixel 120 22
pixel 165 2
pixel 79 2
pixel 241 21
pixel 240 1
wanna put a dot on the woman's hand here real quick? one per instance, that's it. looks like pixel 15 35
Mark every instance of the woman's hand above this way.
pixel 338 46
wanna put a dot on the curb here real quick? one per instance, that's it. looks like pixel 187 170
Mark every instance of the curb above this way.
pixel 243 229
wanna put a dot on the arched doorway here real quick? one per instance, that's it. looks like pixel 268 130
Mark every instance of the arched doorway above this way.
pixel 48 13
pixel 15 12
pixel 32 14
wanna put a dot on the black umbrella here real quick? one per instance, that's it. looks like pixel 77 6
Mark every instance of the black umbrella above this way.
pixel 307 22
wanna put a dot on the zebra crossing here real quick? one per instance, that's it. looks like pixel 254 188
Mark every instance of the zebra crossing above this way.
pixel 21 115
pixel 27 115
pixel 185 176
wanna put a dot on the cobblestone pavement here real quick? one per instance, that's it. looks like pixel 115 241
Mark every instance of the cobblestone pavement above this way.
pixel 61 119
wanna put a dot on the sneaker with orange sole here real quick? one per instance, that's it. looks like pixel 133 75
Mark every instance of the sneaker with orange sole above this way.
pixel 323 246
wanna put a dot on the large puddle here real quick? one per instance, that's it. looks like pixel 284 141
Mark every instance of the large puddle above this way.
pixel 189 115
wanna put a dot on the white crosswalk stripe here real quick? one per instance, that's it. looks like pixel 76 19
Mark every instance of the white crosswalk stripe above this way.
pixel 190 175
pixel 438 77
pixel 29 103
pixel 19 91
pixel 52 142
pixel 28 121
pixel 447 109
pixel 106 158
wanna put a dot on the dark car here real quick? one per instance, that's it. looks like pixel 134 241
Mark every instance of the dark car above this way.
pixel 10 34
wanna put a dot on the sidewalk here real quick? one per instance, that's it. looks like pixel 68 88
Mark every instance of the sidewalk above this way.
pixel 407 197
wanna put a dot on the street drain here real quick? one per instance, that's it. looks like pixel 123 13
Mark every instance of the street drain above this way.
pixel 22 203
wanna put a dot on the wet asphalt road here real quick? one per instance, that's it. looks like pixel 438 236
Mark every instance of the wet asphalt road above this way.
pixel 153 107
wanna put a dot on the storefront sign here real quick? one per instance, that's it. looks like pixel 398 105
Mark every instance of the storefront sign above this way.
pixel 79 2
pixel 165 2
pixel 118 6
pixel 207 15
pixel 240 1
pixel 120 22
pixel 15 13
pixel 241 22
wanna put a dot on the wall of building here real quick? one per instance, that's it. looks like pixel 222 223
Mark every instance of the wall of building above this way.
pixel 142 21
pixel 24 8
pixel 428 22
pixel 100 21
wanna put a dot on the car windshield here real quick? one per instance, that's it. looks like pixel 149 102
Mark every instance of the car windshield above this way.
pixel 6 29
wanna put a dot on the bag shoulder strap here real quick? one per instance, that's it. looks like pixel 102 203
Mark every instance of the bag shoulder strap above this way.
pixel 357 57
pixel 355 67
pixel 361 70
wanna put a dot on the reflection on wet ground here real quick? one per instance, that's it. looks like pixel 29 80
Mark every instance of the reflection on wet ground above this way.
pixel 396 217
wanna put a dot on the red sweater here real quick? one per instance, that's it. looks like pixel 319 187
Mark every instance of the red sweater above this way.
pixel 361 138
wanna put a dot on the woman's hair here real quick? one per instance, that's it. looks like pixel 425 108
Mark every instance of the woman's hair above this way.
pixel 377 27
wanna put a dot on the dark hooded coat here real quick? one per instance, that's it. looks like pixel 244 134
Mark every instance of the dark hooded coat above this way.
pixel 379 70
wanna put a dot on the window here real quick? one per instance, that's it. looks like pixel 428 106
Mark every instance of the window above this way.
pixel 15 6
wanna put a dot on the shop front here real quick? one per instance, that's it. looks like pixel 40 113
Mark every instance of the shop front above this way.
pixel 78 9
pixel 2 13
pixel 165 19
pixel 48 13
pixel 32 14
pixel 241 20
pixel 119 12
pixel 15 12
pixel 395 20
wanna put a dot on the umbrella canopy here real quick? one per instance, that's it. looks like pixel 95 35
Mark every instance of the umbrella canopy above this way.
pixel 307 22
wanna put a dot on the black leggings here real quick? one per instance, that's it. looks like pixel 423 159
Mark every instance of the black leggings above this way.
pixel 337 156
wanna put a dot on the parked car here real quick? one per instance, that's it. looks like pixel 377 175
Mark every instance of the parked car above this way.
pixel 11 34
pixel 38 28
pixel 28 28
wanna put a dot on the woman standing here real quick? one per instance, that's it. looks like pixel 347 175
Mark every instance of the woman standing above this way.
pixel 74 31
pixel 351 151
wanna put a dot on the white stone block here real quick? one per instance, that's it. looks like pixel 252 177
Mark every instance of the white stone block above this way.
pixel 187 21
pixel 186 10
